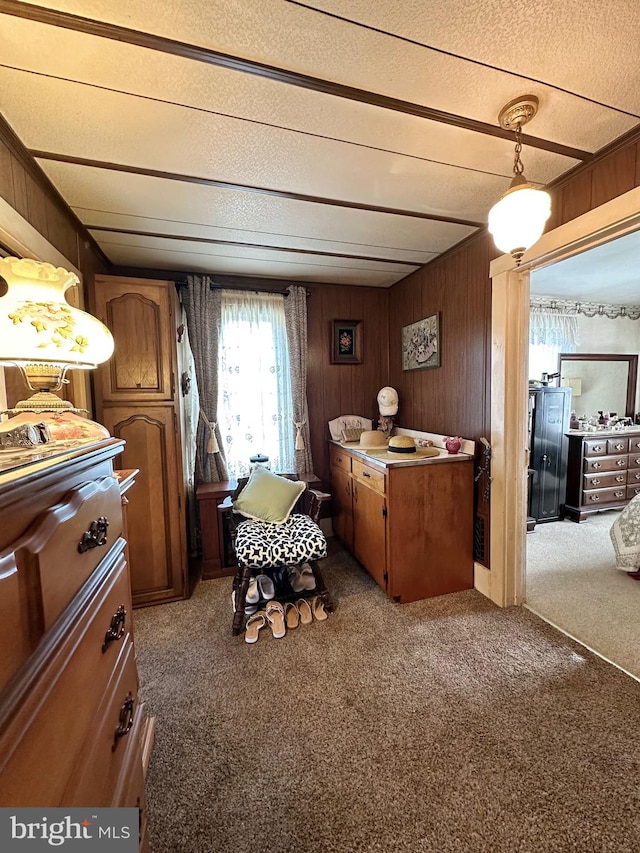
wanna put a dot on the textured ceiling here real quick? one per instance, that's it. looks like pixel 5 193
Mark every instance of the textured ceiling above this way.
pixel 342 141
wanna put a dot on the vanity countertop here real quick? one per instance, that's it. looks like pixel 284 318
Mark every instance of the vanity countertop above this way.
pixel 404 459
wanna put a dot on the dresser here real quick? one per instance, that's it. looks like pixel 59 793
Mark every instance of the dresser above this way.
pixel 409 524
pixel 73 731
pixel 603 472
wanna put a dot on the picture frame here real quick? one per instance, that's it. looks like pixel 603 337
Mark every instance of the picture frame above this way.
pixel 421 343
pixel 346 342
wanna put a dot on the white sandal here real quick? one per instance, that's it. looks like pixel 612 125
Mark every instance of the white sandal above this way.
pixel 275 616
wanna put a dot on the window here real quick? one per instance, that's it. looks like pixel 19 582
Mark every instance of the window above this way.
pixel 255 408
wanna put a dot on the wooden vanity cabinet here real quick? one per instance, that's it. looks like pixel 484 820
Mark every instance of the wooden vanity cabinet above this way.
pixel 603 472
pixel 410 526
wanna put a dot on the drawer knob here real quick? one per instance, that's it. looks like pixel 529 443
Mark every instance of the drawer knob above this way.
pixel 115 631
pixel 619 479
pixel 596 481
pixel 96 535
pixel 619 446
pixel 597 448
pixel 618 494
pixel 125 720
pixel 595 465
pixel 621 462
pixel 594 497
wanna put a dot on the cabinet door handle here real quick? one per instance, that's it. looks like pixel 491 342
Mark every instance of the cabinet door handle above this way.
pixel 115 631
pixel 96 535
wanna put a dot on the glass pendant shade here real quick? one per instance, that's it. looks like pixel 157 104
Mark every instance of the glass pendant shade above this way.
pixel 517 220
pixel 39 331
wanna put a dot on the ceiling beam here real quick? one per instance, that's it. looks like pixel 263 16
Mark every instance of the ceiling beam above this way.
pixel 211 182
pixel 101 29
pixel 270 248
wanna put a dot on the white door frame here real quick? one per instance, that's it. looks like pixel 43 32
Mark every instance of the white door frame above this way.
pixel 504 583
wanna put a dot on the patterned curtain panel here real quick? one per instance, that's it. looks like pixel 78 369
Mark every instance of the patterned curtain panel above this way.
pixel 255 399
pixel 202 306
pixel 295 307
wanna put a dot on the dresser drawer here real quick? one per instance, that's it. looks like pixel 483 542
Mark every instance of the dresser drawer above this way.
pixel 617 445
pixel 113 740
pixel 604 496
pixel 340 459
pixel 371 476
pixel 595 447
pixel 43 737
pixel 634 461
pixel 603 481
pixel 605 463
pixel 62 541
pixel 633 476
pixel 634 444
pixel 632 491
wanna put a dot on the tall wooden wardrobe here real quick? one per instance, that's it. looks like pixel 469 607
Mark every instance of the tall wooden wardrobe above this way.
pixel 139 397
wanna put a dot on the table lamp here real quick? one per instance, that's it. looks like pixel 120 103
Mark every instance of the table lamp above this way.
pixel 44 336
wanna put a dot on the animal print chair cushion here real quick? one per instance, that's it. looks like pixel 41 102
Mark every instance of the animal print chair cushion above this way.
pixel 625 536
pixel 262 545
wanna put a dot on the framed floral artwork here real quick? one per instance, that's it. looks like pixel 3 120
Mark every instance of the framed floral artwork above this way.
pixel 421 343
pixel 346 341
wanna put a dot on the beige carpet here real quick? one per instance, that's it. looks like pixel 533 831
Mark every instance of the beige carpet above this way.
pixel 441 726
pixel 572 581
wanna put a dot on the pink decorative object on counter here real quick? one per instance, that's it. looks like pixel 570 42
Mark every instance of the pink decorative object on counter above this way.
pixel 453 444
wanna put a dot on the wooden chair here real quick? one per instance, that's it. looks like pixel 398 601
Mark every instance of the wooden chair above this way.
pixel 262 547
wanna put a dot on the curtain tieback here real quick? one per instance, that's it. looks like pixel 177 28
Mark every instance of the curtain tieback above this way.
pixel 212 444
pixel 299 439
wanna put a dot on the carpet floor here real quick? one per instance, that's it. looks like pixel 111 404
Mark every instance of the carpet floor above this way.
pixel 443 726
pixel 573 582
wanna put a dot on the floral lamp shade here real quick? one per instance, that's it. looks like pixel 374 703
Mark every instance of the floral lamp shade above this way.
pixel 44 336
pixel 39 331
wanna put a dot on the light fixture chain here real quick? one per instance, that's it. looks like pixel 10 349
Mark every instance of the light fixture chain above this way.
pixel 518 167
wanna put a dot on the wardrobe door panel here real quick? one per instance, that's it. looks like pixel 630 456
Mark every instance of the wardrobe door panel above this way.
pixel 154 512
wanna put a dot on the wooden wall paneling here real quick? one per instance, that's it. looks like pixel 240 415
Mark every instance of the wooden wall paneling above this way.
pixel 36 205
pixel 576 196
pixel 19 188
pixel 6 175
pixel 637 172
pixel 614 176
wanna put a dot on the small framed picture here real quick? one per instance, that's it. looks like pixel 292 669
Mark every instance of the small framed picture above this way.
pixel 421 343
pixel 346 341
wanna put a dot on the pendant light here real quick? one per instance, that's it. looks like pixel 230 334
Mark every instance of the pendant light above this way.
pixel 517 220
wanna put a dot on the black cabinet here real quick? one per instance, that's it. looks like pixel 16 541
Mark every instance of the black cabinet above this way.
pixel 549 410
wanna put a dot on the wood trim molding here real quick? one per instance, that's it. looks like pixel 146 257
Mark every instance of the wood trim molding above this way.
pixel 212 182
pixel 185 50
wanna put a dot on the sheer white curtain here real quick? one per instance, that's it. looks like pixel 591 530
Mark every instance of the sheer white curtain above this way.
pixel 255 407
pixel 550 332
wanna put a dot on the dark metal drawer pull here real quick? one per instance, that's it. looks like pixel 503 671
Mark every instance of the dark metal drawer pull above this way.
pixel 116 628
pixel 125 720
pixel 96 535
pixel 364 474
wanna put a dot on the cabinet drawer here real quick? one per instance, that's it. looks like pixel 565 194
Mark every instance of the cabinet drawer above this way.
pixel 340 459
pixel 617 445
pixel 605 463
pixel 371 476
pixel 632 491
pixel 595 447
pixel 633 477
pixel 603 481
pixel 634 445
pixel 633 461
pixel 44 734
pixel 70 539
pixel 115 731
pixel 604 496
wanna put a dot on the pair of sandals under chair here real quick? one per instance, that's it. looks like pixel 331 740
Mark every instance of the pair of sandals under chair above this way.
pixel 284 617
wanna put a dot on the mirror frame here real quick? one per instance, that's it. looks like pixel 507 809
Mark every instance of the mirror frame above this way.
pixel 632 378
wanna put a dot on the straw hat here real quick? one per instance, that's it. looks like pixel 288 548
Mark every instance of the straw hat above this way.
pixel 373 439
pixel 403 447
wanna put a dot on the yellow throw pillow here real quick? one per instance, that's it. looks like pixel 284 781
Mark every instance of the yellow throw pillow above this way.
pixel 268 497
